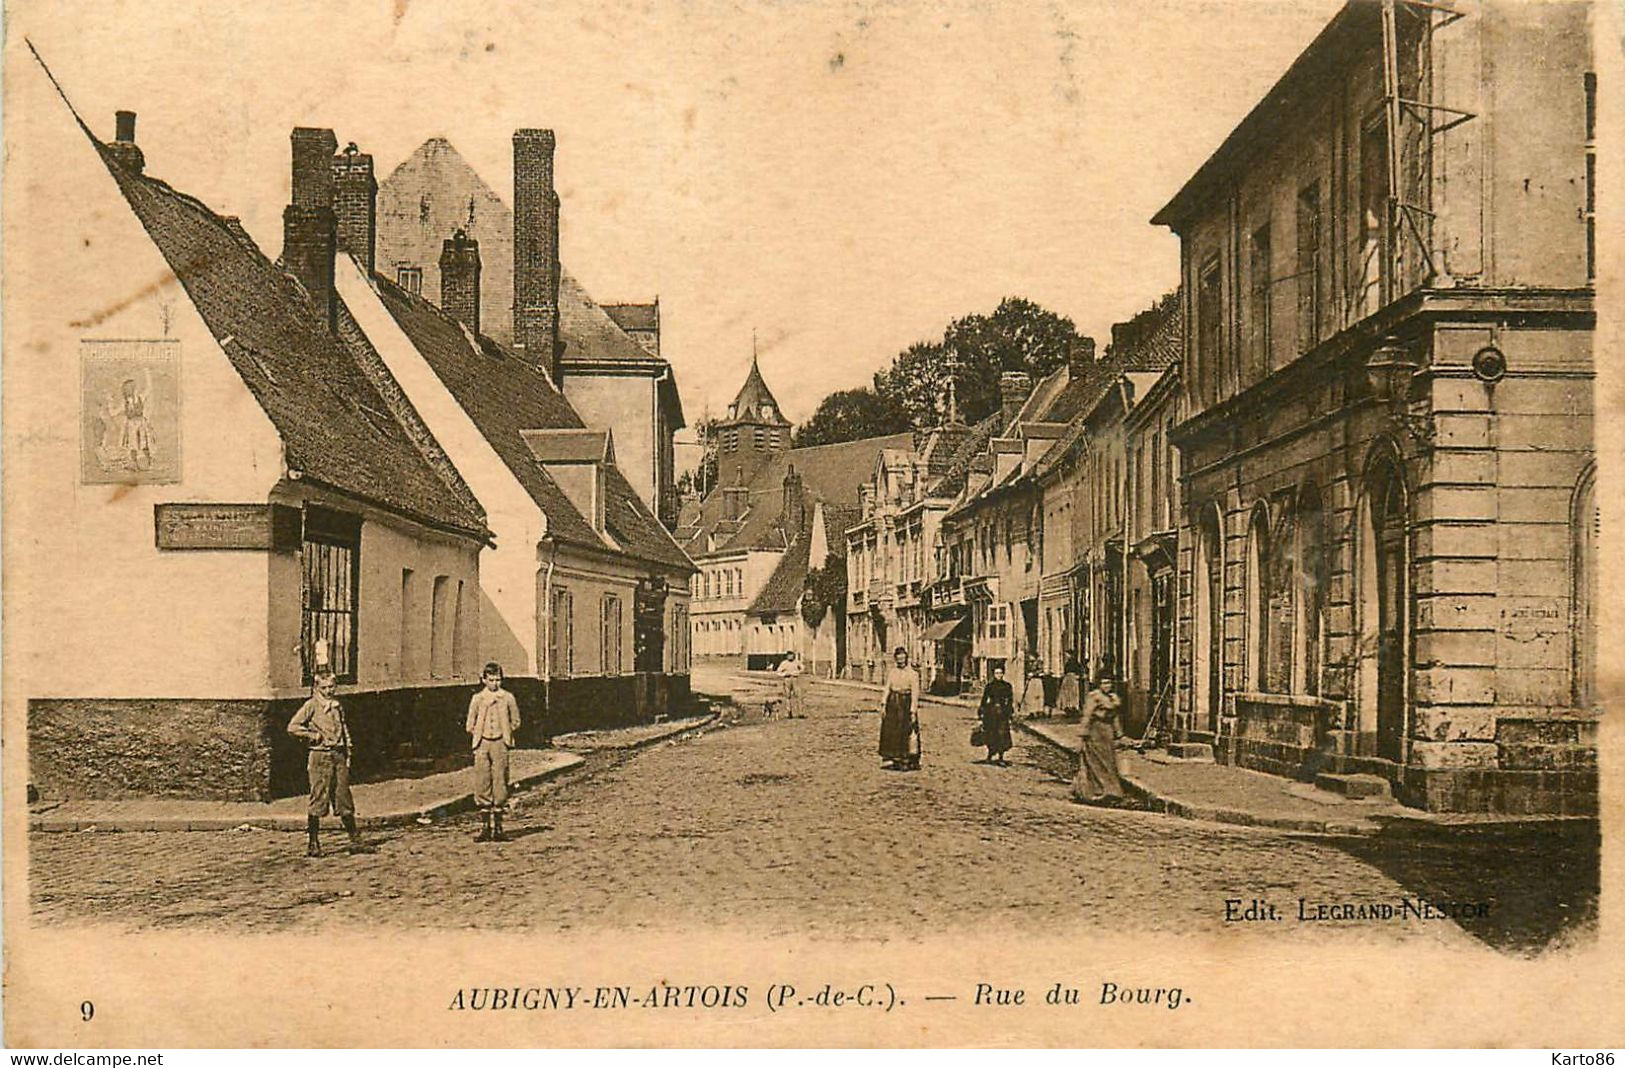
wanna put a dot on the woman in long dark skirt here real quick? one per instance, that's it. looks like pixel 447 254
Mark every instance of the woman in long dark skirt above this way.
pixel 1097 782
pixel 898 724
pixel 998 708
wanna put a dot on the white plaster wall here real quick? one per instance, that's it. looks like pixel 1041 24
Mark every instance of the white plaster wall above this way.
pixel 393 641
pixel 92 607
pixel 508 583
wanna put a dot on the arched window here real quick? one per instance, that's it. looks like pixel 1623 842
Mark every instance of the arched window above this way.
pixel 1310 603
pixel 1586 529
pixel 1383 608
pixel 1281 603
pixel 1257 591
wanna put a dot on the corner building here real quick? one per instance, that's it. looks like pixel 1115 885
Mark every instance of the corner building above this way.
pixel 1388 541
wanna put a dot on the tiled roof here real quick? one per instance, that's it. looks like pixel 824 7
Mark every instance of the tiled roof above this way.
pixel 1151 341
pixel 782 591
pixel 952 484
pixel 829 473
pixel 589 332
pixel 564 446
pixel 335 427
pixel 505 396
pixel 837 521
pixel 634 316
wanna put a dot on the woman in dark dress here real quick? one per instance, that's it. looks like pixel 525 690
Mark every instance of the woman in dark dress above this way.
pixel 998 708
pixel 898 724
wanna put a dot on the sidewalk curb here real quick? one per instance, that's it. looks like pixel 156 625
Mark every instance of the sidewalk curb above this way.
pixel 1215 813
pixel 291 822
pixel 681 729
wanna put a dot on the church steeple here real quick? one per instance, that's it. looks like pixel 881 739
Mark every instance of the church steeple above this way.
pixel 755 402
pixel 754 430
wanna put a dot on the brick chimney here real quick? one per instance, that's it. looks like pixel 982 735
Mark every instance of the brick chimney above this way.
pixel 460 279
pixel 124 149
pixel 735 502
pixel 1081 359
pixel 536 250
pixel 793 514
pixel 1014 389
pixel 355 204
pixel 309 233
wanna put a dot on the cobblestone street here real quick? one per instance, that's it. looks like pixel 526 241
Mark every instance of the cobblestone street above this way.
pixel 773 826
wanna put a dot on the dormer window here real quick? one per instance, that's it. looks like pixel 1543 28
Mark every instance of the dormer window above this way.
pixel 767 412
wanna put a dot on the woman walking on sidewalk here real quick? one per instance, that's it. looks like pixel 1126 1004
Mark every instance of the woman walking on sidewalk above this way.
pixel 998 708
pixel 1097 782
pixel 900 721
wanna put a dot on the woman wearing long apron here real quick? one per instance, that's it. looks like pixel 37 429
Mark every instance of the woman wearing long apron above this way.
pixel 998 708
pixel 1098 782
pixel 898 723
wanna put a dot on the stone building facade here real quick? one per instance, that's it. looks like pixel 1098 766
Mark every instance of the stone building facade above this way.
pixel 1387 535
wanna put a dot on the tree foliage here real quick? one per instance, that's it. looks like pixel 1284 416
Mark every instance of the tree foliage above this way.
pixel 850 414
pixel 823 589
pixel 974 351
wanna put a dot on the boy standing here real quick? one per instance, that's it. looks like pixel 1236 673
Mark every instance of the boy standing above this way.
pixel 493 717
pixel 320 722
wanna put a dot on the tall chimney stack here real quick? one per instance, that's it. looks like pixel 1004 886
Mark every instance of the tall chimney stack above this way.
pixel 124 149
pixel 793 514
pixel 1081 358
pixel 460 279
pixel 1014 389
pixel 355 204
pixel 309 233
pixel 536 250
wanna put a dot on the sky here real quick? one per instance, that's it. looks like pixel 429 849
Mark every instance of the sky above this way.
pixel 840 179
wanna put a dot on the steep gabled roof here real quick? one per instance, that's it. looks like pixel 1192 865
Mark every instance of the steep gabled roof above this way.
pixel 755 401
pixel 590 333
pixel 953 482
pixel 838 519
pixel 634 316
pixel 1150 343
pixel 505 397
pixel 782 591
pixel 335 427
pixel 829 473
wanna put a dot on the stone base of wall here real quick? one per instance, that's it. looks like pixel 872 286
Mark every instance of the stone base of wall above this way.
pixel 597 703
pixel 1543 764
pixel 1561 793
pixel 1279 734
pixel 240 750
pixel 228 750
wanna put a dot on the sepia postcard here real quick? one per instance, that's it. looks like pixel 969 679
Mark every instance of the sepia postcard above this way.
pixel 835 524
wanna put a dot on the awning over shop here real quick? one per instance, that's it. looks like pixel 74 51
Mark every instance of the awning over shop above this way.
pixel 943 630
